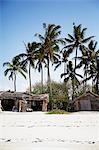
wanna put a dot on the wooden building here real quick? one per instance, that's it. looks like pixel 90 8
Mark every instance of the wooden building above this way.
pixel 22 101
pixel 88 101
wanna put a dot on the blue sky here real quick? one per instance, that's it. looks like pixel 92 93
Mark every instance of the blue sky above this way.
pixel 21 19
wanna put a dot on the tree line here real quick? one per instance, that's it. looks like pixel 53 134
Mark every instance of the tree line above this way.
pixel 75 51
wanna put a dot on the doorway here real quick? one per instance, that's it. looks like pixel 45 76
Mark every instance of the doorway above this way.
pixel 7 104
pixel 37 105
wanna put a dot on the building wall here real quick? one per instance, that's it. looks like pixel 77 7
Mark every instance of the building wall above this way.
pixel 85 105
pixel 89 102
pixel 95 104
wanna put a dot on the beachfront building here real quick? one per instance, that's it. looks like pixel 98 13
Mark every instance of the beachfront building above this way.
pixel 22 101
pixel 88 101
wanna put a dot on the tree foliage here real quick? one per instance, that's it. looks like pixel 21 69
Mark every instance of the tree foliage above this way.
pixel 59 97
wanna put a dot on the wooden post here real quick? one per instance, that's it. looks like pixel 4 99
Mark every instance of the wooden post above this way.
pixel 20 105
pixel 0 106
pixel 44 106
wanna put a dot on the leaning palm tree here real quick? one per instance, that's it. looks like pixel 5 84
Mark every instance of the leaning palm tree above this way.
pixel 13 68
pixel 50 45
pixel 29 58
pixel 71 75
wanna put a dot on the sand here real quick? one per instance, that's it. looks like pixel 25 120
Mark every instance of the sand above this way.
pixel 40 131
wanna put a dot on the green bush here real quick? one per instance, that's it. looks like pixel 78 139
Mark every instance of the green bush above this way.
pixel 59 97
pixel 57 111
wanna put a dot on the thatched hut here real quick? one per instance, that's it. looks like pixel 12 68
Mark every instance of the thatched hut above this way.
pixel 87 101
pixel 22 101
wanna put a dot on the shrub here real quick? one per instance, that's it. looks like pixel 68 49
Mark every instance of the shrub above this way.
pixel 57 111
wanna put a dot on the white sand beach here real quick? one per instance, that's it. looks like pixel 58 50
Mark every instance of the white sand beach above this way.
pixel 40 131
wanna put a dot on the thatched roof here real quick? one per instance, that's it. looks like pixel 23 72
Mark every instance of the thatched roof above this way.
pixel 22 96
pixel 88 93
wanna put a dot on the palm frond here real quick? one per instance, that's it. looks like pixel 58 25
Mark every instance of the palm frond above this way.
pixel 95 45
pixel 68 40
pixel 66 79
pixel 88 78
pixel 41 38
pixel 11 75
pixel 79 75
pixel 83 33
pixel 87 39
pixel 21 72
pixel 59 63
pixel 64 74
pixel 6 64
pixel 71 37
pixel 7 71
pixel 79 65
pixel 44 25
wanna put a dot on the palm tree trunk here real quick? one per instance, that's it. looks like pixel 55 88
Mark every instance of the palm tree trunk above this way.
pixel 15 82
pixel 92 84
pixel 65 69
pixel 42 78
pixel 65 86
pixel 85 81
pixel 97 84
pixel 29 77
pixel 49 84
pixel 73 89
pixel 76 58
pixel 85 78
pixel 75 72
pixel 48 76
pixel 86 75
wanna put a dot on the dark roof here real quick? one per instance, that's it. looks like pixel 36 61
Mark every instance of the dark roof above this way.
pixel 88 93
pixel 22 96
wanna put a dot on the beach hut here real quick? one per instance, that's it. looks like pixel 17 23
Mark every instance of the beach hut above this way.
pixel 87 101
pixel 23 101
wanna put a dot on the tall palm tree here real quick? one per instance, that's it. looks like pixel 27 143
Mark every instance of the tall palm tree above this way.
pixel 63 60
pixel 50 45
pixel 89 61
pixel 94 74
pixel 29 58
pixel 13 68
pixel 84 62
pixel 94 53
pixel 40 58
pixel 93 69
pixel 78 39
pixel 71 75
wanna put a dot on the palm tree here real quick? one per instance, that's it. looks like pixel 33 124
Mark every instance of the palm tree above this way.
pixel 94 74
pixel 71 75
pixel 13 68
pixel 93 69
pixel 29 58
pixel 39 65
pixel 94 53
pixel 78 39
pixel 89 61
pixel 50 45
pixel 84 61
pixel 63 60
